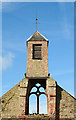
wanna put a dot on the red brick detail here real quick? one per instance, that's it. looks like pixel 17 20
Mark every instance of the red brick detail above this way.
pixel 37 68
pixel 52 105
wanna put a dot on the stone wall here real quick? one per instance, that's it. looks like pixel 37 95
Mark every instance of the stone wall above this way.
pixel 37 68
pixel 64 104
pixel 23 100
pixel 60 104
pixel 10 103
pixel 51 92
pixel 13 102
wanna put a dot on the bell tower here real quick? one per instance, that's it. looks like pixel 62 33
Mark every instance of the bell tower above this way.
pixel 37 73
pixel 37 56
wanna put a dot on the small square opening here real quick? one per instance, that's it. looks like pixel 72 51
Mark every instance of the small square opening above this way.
pixel 37 51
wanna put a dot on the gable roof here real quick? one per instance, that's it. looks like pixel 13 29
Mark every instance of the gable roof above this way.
pixel 37 37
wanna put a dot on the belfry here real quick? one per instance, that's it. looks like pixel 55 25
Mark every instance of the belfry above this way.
pixel 37 72
pixel 15 103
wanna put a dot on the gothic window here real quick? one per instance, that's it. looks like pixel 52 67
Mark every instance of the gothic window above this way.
pixel 32 104
pixel 37 99
pixel 42 104
pixel 37 51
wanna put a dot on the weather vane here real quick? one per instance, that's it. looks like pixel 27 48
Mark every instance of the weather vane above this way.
pixel 36 20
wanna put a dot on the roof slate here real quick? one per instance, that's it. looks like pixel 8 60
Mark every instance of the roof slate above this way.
pixel 37 37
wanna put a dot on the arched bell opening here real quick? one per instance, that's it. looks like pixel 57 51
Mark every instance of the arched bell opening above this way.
pixel 37 100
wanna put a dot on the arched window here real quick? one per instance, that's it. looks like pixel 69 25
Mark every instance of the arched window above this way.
pixel 38 100
pixel 32 104
pixel 42 104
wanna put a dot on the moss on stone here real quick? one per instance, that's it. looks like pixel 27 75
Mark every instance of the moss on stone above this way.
pixel 3 108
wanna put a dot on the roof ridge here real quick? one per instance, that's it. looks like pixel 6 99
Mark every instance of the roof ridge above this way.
pixel 39 34
pixel 42 36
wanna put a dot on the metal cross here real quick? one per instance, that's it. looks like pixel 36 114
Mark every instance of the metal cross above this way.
pixel 36 20
pixel 36 23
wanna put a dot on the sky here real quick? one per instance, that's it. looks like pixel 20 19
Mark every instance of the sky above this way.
pixel 56 24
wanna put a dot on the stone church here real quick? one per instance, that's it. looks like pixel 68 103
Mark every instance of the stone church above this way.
pixel 15 103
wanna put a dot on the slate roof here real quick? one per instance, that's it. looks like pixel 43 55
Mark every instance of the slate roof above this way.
pixel 37 37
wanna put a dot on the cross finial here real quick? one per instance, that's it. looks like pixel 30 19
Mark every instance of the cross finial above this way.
pixel 36 19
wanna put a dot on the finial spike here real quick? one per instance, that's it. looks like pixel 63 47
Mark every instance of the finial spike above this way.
pixel 36 19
